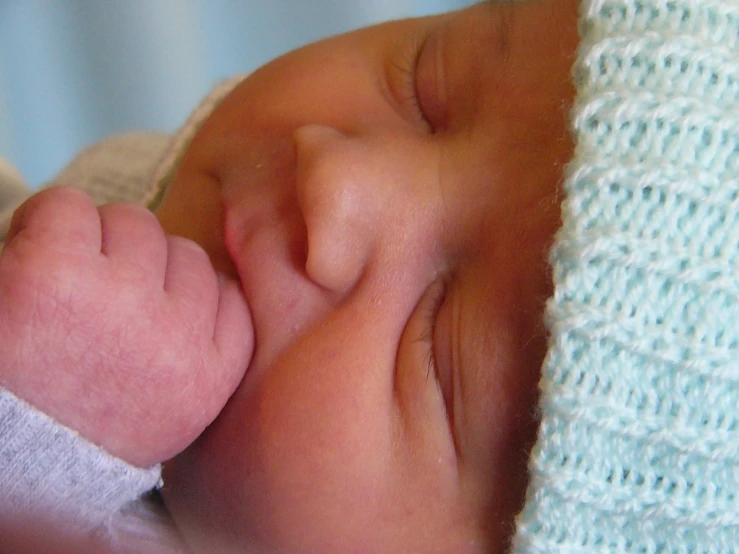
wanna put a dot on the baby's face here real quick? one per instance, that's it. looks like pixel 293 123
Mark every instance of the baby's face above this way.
pixel 387 198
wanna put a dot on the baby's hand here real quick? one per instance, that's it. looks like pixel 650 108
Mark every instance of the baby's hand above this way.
pixel 116 330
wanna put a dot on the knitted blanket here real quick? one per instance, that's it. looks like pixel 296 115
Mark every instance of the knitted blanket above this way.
pixel 638 449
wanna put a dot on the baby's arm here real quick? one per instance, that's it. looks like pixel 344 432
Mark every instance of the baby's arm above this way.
pixel 114 330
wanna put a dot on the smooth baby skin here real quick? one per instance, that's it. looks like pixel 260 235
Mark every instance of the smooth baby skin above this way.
pixel 387 199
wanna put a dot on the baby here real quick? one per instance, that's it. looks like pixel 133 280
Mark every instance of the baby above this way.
pixel 349 360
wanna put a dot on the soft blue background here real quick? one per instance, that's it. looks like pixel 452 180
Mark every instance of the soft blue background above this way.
pixel 73 71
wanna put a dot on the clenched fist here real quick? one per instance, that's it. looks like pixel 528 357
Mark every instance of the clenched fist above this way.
pixel 115 330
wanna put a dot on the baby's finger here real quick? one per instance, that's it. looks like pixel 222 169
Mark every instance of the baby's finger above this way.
pixel 133 238
pixel 190 281
pixel 60 218
pixel 234 332
pixel 233 349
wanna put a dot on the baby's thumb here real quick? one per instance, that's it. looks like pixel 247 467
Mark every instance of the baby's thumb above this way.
pixel 233 336
pixel 214 380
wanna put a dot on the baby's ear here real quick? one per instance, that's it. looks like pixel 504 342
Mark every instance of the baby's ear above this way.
pixel 13 191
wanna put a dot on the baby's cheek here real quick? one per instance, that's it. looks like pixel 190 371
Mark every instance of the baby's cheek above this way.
pixel 300 464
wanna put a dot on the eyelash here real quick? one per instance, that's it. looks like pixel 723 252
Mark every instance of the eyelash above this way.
pixel 430 316
pixel 407 64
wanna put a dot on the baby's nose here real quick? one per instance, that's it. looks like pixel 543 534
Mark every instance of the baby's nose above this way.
pixel 339 204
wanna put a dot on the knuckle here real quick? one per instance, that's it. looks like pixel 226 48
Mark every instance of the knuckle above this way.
pixel 187 247
pixel 130 215
pixel 125 209
pixel 189 266
pixel 57 217
pixel 62 199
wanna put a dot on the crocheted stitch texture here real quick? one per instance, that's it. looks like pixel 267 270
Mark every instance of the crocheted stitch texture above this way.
pixel 638 449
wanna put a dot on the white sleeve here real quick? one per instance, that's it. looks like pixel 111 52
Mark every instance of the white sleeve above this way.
pixel 49 473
